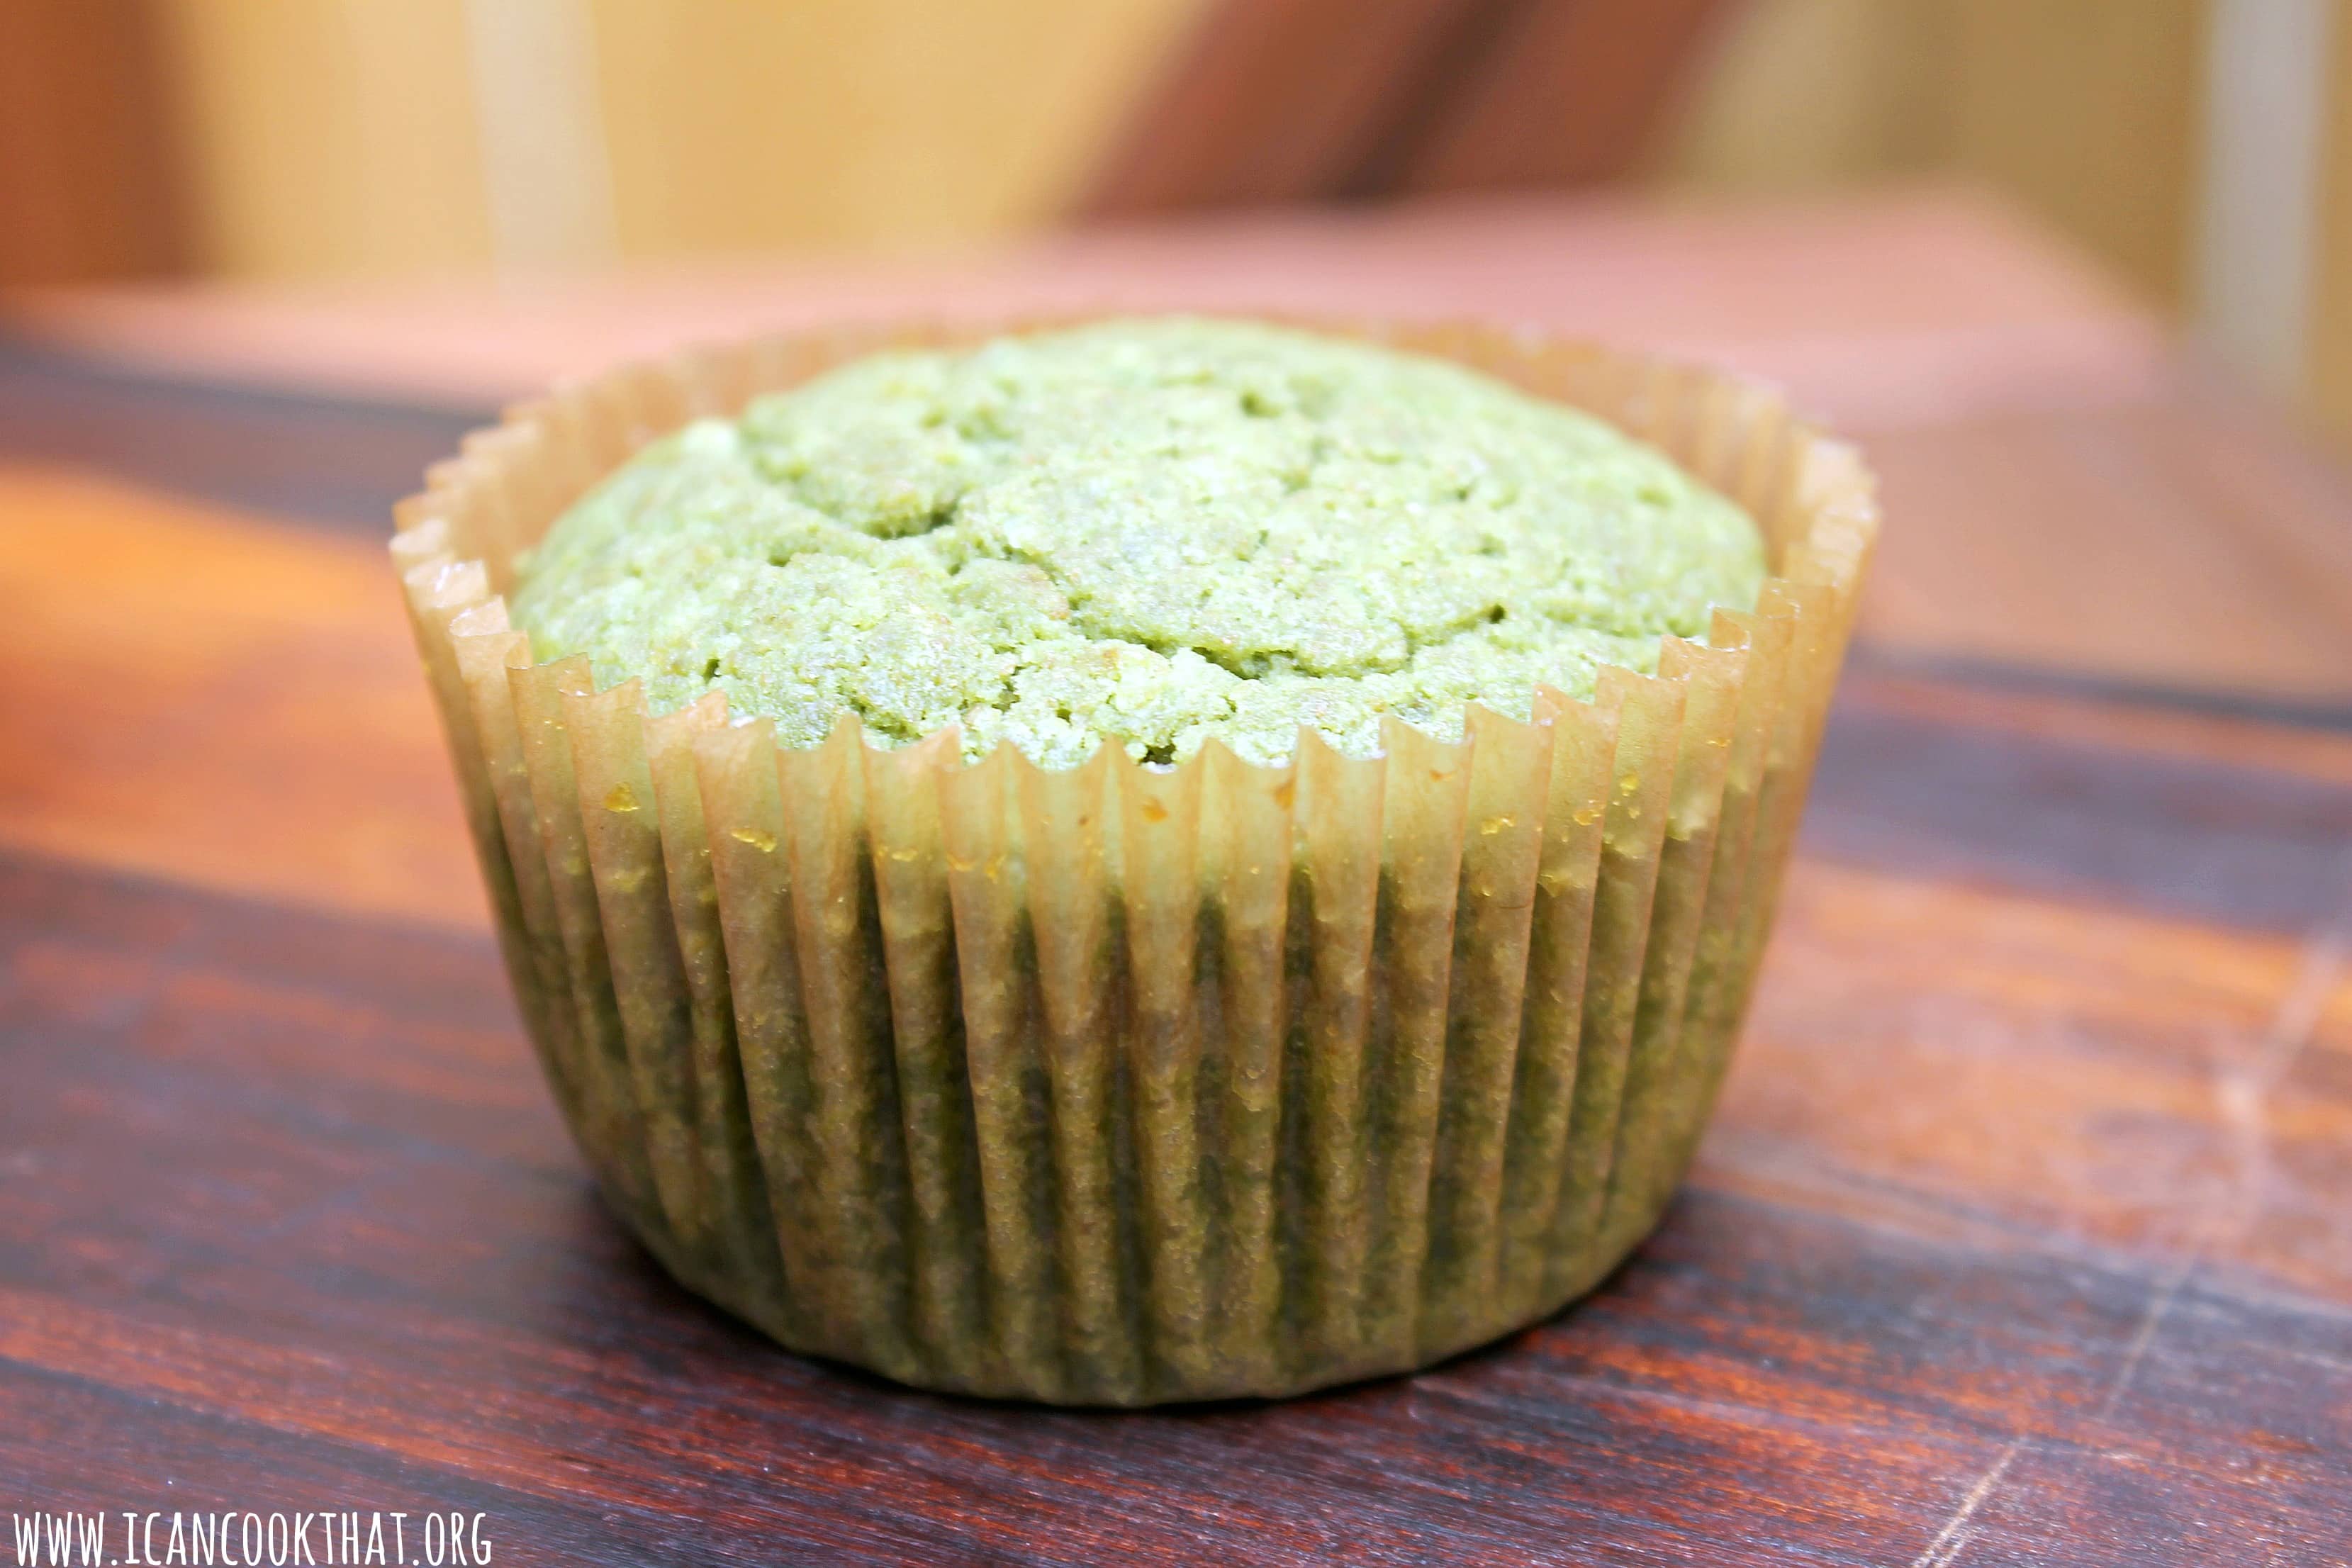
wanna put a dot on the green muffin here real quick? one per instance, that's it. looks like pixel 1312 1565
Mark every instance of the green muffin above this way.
pixel 1112 1066
pixel 1155 530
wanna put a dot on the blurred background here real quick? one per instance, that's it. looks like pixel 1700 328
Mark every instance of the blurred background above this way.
pixel 2199 150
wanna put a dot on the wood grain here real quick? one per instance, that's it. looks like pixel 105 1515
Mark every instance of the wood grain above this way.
pixel 1978 1137
pixel 2023 1233
pixel 268 734
pixel 327 459
pixel 2180 538
pixel 1983 1133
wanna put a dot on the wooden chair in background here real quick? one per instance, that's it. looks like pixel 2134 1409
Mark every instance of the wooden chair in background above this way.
pixel 1283 100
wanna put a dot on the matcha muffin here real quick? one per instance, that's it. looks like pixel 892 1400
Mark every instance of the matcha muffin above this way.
pixel 1150 859
pixel 1154 531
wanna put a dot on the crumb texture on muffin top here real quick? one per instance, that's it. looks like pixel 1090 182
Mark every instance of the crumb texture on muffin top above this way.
pixel 1152 532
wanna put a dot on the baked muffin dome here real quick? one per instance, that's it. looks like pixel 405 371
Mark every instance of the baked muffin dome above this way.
pixel 1149 531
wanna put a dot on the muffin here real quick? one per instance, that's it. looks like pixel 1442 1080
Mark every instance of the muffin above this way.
pixel 1144 861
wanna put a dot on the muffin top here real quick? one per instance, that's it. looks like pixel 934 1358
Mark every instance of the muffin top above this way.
pixel 1151 532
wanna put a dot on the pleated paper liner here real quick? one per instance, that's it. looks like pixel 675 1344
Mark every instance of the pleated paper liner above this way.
pixel 1115 1084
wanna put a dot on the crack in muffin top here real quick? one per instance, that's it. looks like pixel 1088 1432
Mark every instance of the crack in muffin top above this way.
pixel 1149 531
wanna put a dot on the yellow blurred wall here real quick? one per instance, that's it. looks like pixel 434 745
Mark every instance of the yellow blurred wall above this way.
pixel 338 137
pixel 2098 115
pixel 2086 111
pixel 367 137
pixel 341 138
pixel 872 122
pixel 2330 372
pixel 329 137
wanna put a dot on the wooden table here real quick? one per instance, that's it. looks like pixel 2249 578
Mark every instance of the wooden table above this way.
pixel 2024 1233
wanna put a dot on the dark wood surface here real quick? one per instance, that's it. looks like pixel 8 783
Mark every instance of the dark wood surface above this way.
pixel 2024 1233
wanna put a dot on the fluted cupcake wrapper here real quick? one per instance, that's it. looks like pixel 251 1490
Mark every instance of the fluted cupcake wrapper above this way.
pixel 1117 1084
